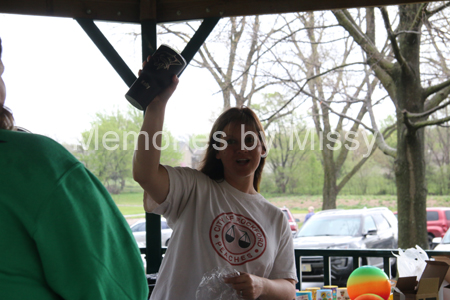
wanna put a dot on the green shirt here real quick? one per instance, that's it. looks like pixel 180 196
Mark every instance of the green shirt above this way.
pixel 61 234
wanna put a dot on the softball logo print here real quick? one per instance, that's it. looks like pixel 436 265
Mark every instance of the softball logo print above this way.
pixel 165 59
pixel 236 238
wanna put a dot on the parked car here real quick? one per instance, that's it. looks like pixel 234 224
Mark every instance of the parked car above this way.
pixel 442 243
pixel 373 228
pixel 438 222
pixel 292 221
pixel 139 233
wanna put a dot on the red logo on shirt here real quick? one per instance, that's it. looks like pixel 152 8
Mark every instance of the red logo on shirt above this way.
pixel 236 238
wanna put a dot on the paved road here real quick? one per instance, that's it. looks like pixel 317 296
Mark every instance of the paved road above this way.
pixel 301 217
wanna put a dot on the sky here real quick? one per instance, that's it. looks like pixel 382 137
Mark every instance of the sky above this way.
pixel 57 80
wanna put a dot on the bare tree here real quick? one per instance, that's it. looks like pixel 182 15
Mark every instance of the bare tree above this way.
pixel 285 156
pixel 401 77
pixel 314 69
pixel 233 56
pixel 438 148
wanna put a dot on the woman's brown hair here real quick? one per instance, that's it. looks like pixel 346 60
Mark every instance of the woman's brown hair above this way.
pixel 6 117
pixel 212 166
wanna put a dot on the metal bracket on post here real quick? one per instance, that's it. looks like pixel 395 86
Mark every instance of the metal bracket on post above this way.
pixel 198 39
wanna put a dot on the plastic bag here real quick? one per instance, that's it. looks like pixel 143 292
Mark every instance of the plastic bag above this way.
pixel 212 286
pixel 411 262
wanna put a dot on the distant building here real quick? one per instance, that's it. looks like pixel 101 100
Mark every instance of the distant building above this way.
pixel 197 157
pixel 191 157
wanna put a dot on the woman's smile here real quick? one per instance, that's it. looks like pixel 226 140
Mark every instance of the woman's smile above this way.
pixel 243 161
pixel 241 155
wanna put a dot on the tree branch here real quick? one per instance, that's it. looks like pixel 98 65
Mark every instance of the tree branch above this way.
pixel 396 34
pixel 426 113
pixel 394 44
pixel 438 9
pixel 347 117
pixel 374 56
pixel 433 33
pixel 438 98
pixel 303 86
pixel 379 139
pixel 358 166
pixel 416 24
pixel 214 71
pixel 344 151
pixel 418 125
pixel 251 52
pixel 279 116
pixel 267 50
pixel 363 110
pixel 435 88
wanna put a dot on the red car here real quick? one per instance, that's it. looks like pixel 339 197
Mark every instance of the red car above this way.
pixel 292 221
pixel 438 222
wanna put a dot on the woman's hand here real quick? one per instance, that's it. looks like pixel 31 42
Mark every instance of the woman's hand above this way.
pixel 165 94
pixel 251 287
pixel 247 286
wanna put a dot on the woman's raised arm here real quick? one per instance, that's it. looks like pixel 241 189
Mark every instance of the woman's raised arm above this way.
pixel 147 171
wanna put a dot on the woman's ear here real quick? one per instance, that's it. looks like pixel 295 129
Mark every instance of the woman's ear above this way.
pixel 262 139
pixel 264 152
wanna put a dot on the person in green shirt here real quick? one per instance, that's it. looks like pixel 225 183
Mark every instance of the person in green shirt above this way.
pixel 61 236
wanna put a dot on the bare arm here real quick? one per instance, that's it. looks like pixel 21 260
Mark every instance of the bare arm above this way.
pixel 147 171
pixel 254 287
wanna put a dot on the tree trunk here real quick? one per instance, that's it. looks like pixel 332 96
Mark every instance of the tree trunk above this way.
pixel 329 166
pixel 410 162
pixel 411 188
pixel 402 81
pixel 226 98
pixel 329 192
pixel 281 181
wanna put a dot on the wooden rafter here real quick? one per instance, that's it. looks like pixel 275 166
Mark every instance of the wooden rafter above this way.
pixel 174 10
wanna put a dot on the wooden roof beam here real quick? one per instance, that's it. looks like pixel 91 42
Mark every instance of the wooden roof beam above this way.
pixel 163 11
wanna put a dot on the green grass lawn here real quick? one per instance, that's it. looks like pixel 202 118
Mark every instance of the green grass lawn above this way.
pixel 132 211
pixel 132 203
pixel 129 199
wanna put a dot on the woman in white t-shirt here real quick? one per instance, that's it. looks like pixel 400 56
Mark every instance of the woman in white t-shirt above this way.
pixel 217 215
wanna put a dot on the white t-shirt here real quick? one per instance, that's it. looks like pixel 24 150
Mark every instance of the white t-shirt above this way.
pixel 216 225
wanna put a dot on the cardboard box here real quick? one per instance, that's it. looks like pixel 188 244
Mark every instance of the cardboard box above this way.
pixel 445 293
pixel 445 259
pixel 428 286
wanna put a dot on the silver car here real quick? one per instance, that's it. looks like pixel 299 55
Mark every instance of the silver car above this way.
pixel 442 244
pixel 373 228
pixel 138 230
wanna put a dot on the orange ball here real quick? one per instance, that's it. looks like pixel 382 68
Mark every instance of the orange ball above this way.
pixel 368 280
pixel 368 297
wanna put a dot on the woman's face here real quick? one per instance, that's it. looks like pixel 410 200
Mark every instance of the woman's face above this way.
pixel 242 154
pixel 2 84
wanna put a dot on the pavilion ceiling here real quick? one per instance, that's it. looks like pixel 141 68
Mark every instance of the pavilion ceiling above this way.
pixel 174 10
